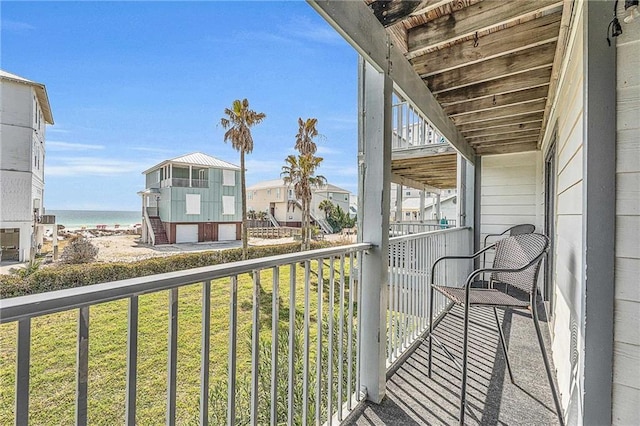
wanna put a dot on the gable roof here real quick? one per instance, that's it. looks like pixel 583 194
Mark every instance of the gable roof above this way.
pixel 195 159
pixel 41 93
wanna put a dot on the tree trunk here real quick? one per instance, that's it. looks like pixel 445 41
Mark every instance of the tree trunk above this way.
pixel 243 188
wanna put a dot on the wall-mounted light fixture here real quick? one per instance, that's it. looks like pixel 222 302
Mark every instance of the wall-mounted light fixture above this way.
pixel 614 28
pixel 631 10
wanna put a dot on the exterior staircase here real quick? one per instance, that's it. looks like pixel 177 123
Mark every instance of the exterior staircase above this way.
pixel 273 220
pixel 158 230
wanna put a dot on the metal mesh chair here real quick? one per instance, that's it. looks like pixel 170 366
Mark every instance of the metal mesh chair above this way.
pixel 516 265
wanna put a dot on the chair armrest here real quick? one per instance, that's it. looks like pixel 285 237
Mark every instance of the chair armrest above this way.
pixel 469 256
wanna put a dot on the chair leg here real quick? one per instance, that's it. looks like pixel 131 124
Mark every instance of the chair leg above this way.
pixel 556 400
pixel 431 293
pixel 504 346
pixel 465 348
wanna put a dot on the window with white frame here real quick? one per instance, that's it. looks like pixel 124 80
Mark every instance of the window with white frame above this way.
pixel 228 204
pixel 228 178
pixel 192 202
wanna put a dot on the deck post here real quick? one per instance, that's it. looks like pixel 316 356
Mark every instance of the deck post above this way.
pixel 374 163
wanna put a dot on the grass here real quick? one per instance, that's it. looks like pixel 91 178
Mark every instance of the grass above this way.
pixel 53 352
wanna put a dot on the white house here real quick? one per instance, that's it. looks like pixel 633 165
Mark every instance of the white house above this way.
pixel 278 199
pixel 191 198
pixel 24 114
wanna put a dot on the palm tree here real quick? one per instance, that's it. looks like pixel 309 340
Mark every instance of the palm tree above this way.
pixel 304 139
pixel 299 171
pixel 237 123
pixel 326 206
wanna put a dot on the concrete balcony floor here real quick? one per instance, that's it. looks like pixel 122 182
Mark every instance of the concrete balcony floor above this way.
pixel 413 398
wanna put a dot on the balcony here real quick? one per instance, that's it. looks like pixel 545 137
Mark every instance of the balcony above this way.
pixel 184 183
pixel 293 345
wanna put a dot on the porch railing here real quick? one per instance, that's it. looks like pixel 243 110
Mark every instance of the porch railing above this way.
pixel 317 338
pixel 397 229
pixel 410 260
pixel 184 183
pixel 272 232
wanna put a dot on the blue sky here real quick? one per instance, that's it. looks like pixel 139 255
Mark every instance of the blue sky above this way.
pixel 134 83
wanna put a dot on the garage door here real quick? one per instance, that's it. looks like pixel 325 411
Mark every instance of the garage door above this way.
pixel 186 233
pixel 227 232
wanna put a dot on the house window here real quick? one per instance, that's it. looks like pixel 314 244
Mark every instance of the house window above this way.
pixel 278 193
pixel 192 202
pixel 228 204
pixel 228 178
pixel 250 196
pixel 268 192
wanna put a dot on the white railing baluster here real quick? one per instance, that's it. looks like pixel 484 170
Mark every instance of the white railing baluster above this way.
pixel 132 361
pixel 330 338
pixel 292 331
pixel 350 333
pixel 23 356
pixel 319 345
pixel 82 366
pixel 205 352
pixel 233 346
pixel 341 339
pixel 172 363
pixel 255 346
pixel 307 329
pixel 275 314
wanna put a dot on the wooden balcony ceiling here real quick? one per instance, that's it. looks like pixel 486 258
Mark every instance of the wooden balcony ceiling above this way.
pixel 492 65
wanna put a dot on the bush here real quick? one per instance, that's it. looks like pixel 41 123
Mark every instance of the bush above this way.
pixel 69 275
pixel 79 250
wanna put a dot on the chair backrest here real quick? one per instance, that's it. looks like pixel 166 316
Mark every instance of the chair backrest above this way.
pixel 525 228
pixel 516 252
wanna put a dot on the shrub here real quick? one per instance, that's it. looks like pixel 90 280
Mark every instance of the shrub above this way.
pixel 73 275
pixel 79 250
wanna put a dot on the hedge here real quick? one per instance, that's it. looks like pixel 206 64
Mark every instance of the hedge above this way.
pixel 62 276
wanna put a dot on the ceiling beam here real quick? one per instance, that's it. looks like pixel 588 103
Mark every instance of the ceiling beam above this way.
pixel 509 40
pixel 404 181
pixel 504 138
pixel 502 122
pixel 493 69
pixel 498 101
pixel 421 151
pixel 355 22
pixel 495 87
pixel 508 149
pixel 509 128
pixel 504 112
pixel 479 17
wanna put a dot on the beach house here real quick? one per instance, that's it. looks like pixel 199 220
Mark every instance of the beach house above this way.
pixel 25 112
pixel 191 198
pixel 278 200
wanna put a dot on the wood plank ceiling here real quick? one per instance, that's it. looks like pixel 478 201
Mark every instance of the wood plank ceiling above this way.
pixel 489 64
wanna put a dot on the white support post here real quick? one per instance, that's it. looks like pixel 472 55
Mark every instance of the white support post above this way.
pixel 190 175
pixel 438 212
pixel 399 215
pixel 374 157
pixel 422 202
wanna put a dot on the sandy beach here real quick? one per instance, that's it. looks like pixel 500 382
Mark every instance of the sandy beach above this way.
pixel 128 248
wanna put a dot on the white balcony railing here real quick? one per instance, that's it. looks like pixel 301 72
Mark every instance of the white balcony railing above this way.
pixel 410 261
pixel 397 229
pixel 184 183
pixel 302 366
pixel 320 348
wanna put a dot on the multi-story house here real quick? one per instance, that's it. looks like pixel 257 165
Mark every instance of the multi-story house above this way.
pixel 191 198
pixel 278 199
pixel 24 114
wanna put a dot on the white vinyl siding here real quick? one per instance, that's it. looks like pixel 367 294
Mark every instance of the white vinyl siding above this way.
pixel 192 202
pixel 228 205
pixel 228 178
pixel 568 316
pixel 626 333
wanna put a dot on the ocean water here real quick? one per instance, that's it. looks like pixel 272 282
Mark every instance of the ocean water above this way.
pixel 91 218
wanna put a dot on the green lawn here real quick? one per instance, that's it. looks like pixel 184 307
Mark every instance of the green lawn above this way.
pixel 53 352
